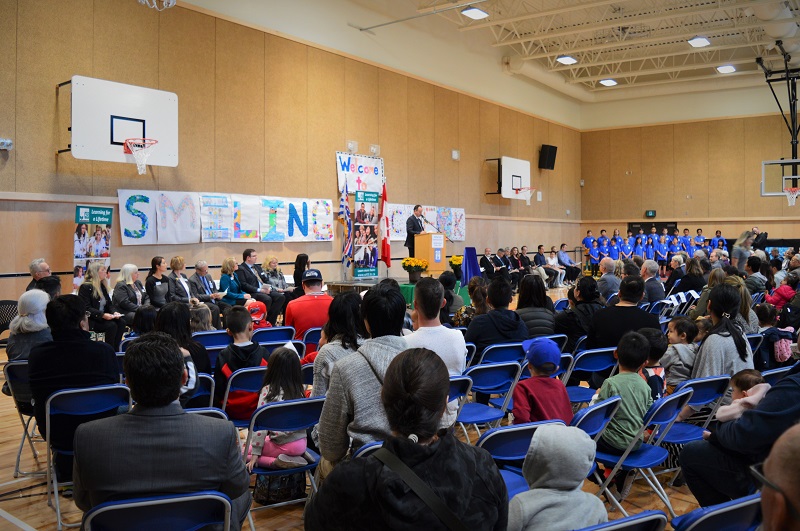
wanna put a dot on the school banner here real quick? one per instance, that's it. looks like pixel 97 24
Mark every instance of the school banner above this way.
pixel 449 221
pixel 91 240
pixel 216 217
pixel 362 173
pixel 137 217
pixel 365 235
pixel 245 218
pixel 296 220
pixel 178 217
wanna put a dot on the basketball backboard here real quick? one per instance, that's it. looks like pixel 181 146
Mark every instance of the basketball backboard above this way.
pixel 106 113
pixel 777 175
pixel 515 174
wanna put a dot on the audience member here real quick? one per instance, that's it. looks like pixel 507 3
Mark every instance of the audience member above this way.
pixel 200 318
pixel 573 270
pixel 540 261
pixel 275 277
pixel 558 460
pixel 250 281
pixel 535 308
pixel 693 280
pixel 29 327
pixel 541 397
pixel 779 493
pixel 679 358
pixel 240 354
pixel 611 323
pixel 677 273
pixel 552 264
pixel 129 293
pixel 448 280
pixel 50 285
pixel 103 316
pixel 352 415
pixel 785 292
pixel 478 303
pixel 700 308
pixel 747 389
pixel 206 290
pixel 755 281
pixel 654 289
pixel 174 320
pixel 39 269
pixel 741 250
pixel 608 283
pixel 144 321
pixel 158 285
pixel 366 494
pixel 499 325
pixel 152 445
pixel 301 264
pixel 447 343
pixel 746 318
pixel 576 321
pixel 70 361
pixel 653 372
pixel 310 310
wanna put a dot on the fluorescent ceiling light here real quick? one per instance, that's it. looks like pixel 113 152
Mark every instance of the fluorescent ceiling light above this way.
pixel 608 82
pixel 726 69
pixel 474 13
pixel 566 60
pixel 699 42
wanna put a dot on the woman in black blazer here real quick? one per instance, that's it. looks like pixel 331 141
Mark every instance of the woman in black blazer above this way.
pixel 103 316
pixel 160 288
pixel 129 294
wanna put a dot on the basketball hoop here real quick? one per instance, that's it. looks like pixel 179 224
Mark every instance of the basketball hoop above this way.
pixel 791 194
pixel 526 194
pixel 140 148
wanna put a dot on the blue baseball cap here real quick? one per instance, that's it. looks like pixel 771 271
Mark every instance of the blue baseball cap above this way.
pixel 541 350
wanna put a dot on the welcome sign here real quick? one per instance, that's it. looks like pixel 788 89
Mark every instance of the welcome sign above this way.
pixel 362 173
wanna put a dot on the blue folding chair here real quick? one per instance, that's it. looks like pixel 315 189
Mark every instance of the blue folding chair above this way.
pixel 368 449
pixel 16 374
pixel 773 375
pixel 289 415
pixel 213 338
pixel 755 341
pixel 580 345
pixel 471 350
pixel 645 521
pixel 757 298
pixel 706 390
pixel 213 354
pixel 460 387
pixel 595 418
pixel 204 394
pixel 247 380
pixel 87 402
pixel 560 340
pixel 661 415
pixel 735 515
pixel 644 306
pixel 273 334
pixel 657 307
pixel 509 445
pixel 311 338
pixel 462 329
pixel 502 353
pixel 561 304
pixel 490 378
pixel 175 511
pixel 594 360
pixel 563 366
pixel 213 412
pixel 123 346
pixel 298 345
pixel 121 366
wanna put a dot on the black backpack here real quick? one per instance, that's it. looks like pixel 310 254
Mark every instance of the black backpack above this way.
pixel 790 316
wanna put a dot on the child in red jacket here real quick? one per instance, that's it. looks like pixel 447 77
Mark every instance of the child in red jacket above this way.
pixel 541 397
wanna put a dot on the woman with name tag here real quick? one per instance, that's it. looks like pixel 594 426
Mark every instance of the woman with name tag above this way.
pixel 158 285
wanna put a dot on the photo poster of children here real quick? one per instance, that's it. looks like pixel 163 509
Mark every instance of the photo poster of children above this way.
pixel 365 234
pixel 91 237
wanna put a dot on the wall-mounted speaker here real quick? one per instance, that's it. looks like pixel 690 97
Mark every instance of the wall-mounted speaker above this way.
pixel 547 157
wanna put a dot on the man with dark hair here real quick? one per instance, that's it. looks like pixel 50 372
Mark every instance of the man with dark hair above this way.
pixel 447 343
pixel 353 415
pixel 72 360
pixel 573 269
pixel 755 281
pixel 540 261
pixel 448 281
pixel 251 281
pixel 414 226
pixel 310 310
pixel 500 325
pixel 50 285
pixel 157 447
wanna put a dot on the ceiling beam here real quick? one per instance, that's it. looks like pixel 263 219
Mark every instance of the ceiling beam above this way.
pixel 656 71
pixel 678 80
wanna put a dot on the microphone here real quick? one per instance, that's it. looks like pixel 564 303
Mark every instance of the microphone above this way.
pixel 423 217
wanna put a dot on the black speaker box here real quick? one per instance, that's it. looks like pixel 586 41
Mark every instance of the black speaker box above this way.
pixel 547 157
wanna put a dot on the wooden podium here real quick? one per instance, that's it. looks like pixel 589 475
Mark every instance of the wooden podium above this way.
pixel 430 247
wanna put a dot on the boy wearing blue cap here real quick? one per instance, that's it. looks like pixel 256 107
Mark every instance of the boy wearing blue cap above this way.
pixel 541 397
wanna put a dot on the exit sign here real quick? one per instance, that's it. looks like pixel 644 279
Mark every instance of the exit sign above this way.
pixel 649 213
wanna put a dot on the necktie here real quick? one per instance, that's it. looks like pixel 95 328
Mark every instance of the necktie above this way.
pixel 205 283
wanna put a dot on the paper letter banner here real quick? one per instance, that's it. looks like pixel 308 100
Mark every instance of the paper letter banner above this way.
pixel 296 220
pixel 450 221
pixel 459 227
pixel 178 217
pixel 137 216
pixel 363 173
pixel 245 218
pixel 216 217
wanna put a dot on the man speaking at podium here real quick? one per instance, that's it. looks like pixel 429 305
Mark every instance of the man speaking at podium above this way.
pixel 414 225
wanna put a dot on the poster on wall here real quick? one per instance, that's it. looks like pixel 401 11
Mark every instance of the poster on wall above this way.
pixel 178 217
pixel 398 214
pixel 286 219
pixel 450 221
pixel 91 240
pixel 137 217
pixel 365 235
pixel 245 218
pixel 362 173
pixel 216 217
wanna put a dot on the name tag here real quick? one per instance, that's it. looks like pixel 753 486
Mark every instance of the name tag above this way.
pixel 158 283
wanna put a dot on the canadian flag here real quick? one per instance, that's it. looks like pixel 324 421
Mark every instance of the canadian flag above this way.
pixel 386 247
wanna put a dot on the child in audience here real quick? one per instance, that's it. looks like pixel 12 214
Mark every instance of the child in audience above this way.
pixel 282 381
pixel 594 258
pixel 144 320
pixel 767 316
pixel 704 326
pixel 541 397
pixel 631 353
pixel 748 388
pixel 679 358
pixel 776 348
pixel 653 371
pixel 238 355
pixel 200 317
pixel 558 460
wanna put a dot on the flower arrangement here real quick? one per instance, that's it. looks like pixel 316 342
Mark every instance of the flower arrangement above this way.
pixel 415 264
pixel 456 260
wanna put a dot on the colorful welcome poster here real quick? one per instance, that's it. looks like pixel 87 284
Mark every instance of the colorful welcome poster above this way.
pixel 365 235
pixel 362 173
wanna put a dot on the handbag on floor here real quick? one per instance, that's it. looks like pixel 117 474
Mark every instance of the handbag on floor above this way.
pixel 277 489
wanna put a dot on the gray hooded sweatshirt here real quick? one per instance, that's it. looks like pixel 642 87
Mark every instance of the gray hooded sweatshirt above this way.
pixel 557 462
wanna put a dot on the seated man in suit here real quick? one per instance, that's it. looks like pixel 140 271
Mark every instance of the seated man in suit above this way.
pixel 251 281
pixel 513 272
pixel 186 291
pixel 540 261
pixel 491 266
pixel 158 448
pixel 205 289
pixel 653 288
pixel 608 283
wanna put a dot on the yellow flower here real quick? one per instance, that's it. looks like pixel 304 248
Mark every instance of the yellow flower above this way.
pixel 414 264
pixel 456 260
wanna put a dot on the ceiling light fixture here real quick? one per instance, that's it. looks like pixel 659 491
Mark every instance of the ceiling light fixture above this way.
pixel 566 60
pixel 699 42
pixel 608 82
pixel 474 13
pixel 726 69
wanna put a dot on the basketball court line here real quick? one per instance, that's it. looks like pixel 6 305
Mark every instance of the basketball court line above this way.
pixel 16 521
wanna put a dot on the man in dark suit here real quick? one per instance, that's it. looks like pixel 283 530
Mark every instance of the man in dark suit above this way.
pixel 678 270
pixel 205 288
pixel 158 448
pixel 252 280
pixel 185 291
pixel 653 288
pixel 414 225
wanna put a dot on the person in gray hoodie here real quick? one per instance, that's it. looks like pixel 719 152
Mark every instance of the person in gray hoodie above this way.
pixel 558 460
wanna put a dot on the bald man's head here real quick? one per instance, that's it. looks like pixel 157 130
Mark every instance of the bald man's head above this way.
pixel 782 468
pixel 607 265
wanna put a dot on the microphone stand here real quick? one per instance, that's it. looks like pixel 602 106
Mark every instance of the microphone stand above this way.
pixel 437 229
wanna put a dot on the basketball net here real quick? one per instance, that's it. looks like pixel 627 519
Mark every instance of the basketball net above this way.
pixel 140 148
pixel 791 194
pixel 526 193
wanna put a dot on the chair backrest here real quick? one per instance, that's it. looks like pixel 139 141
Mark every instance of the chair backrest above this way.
pixel 204 394
pixel 773 375
pixel 663 413
pixel 289 415
pixel 367 449
pixel 213 412
pixel 502 353
pixel 755 341
pixel 757 298
pixel 273 334
pixel 656 307
pixel 563 366
pixel 495 379
pixel 121 366
pixel 213 354
pixel 511 443
pixel 246 380
pixel 594 419
pixel 472 348
pixel 460 387
pixel 84 402
pixel 644 305
pixel 213 338
pixel 123 346
pixel 462 329
pixel 311 338
pixel 706 390
pixel 580 345
pixel 743 513
pixel 594 360
pixel 307 372
pixel 8 310
pixel 16 375
pixel 645 521
pixel 560 340
pixel 298 345
pixel 175 511
pixel 561 304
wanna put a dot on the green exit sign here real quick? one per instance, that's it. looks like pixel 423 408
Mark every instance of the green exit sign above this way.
pixel 649 213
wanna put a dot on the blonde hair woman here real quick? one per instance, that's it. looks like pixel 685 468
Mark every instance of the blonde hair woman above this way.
pixel 200 317
pixel 741 250
pixel 129 294
pixel 103 316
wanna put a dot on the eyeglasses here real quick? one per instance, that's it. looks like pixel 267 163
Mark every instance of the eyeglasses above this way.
pixel 87 314
pixel 758 473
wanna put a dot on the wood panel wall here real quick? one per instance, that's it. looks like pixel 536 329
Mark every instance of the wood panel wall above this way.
pixel 258 114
